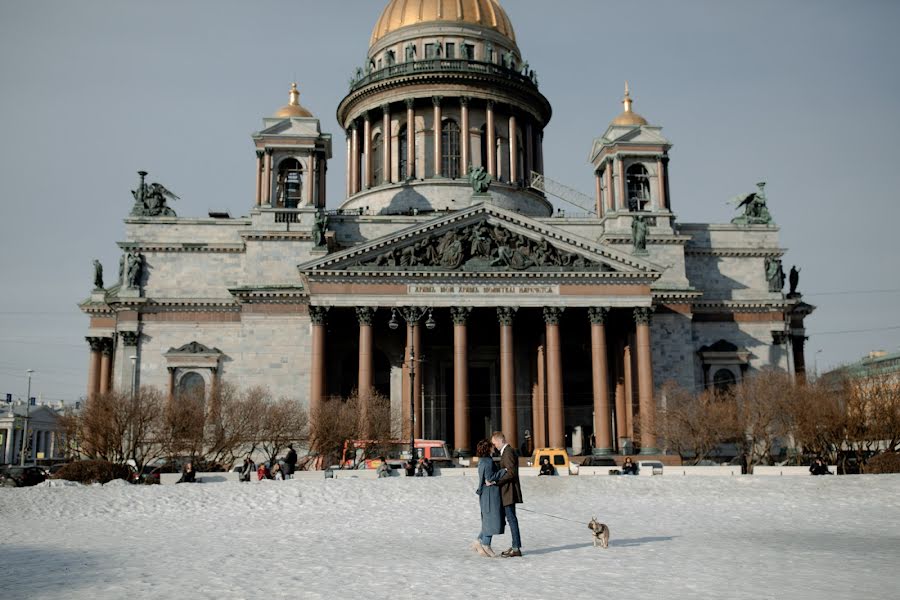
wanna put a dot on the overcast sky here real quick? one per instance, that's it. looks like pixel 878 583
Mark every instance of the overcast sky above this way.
pixel 802 94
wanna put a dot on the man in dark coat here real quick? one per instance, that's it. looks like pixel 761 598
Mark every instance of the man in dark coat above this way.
pixel 290 462
pixel 510 491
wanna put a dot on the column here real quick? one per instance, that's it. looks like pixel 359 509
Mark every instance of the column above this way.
pixel 386 144
pixel 310 182
pixel 354 159
pixel 555 415
pixel 491 140
pixel 461 440
pixel 621 421
pixel 438 160
pixel 508 417
pixel 513 150
pixel 8 445
pixel 628 374
pixel 417 380
pixel 323 171
pixel 365 316
pixel 96 345
pixel 267 179
pixel 539 153
pixel 610 196
pixel 598 190
pixel 661 179
pixel 317 315
pixel 645 381
pixel 621 201
pixel 798 343
pixel 259 168
pixel 349 165
pixel 410 139
pixel 538 416
pixel 367 149
pixel 171 390
pixel 464 137
pixel 529 153
pixel 602 413
pixel 105 364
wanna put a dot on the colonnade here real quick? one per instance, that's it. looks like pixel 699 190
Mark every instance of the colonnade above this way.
pixel 610 182
pixel 315 168
pixel 361 144
pixel 43 441
pixel 100 367
pixel 548 405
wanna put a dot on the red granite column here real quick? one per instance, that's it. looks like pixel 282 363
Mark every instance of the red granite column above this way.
pixel 621 409
pixel 96 345
pixel 508 417
pixel 661 179
pixel 513 150
pixel 367 150
pixel 317 316
pixel 464 135
pixel 598 191
pixel 628 376
pixel 410 139
pixel 491 141
pixel 354 159
pixel 461 440
pixel 417 380
pixel 105 366
pixel 610 199
pixel 555 412
pixel 438 159
pixel 602 412
pixel 645 381
pixel 386 167
pixel 259 168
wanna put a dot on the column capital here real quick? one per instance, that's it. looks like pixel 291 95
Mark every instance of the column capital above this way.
pixel 365 314
pixel 317 314
pixel 436 100
pixel 598 315
pixel 460 314
pixel 410 103
pixel 386 108
pixel 96 343
pixel 642 315
pixel 353 126
pixel 506 314
pixel 552 314
pixel 464 100
pixel 366 116
pixel 130 338
pixel 260 153
pixel 107 346
pixel 171 370
pixel 269 151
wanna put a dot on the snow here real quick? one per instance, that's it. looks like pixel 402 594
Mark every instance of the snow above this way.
pixel 673 537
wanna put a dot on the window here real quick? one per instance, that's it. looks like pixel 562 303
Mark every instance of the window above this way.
pixel 192 387
pixel 430 50
pixel 450 149
pixel 289 183
pixel 450 49
pixel 638 182
pixel 403 153
pixel 438 452
pixel 723 380
pixel 559 460
pixel 377 160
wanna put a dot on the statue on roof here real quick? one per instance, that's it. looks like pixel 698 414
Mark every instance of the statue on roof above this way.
pixel 794 280
pixel 134 270
pixel 320 226
pixel 774 274
pixel 98 275
pixel 639 229
pixel 756 212
pixel 480 179
pixel 150 200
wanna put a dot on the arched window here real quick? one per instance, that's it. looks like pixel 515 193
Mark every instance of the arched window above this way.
pixel 723 380
pixel 450 149
pixel 377 160
pixel 192 387
pixel 289 183
pixel 403 153
pixel 638 182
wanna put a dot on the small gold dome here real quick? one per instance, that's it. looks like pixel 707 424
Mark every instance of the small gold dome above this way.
pixel 403 13
pixel 293 108
pixel 628 117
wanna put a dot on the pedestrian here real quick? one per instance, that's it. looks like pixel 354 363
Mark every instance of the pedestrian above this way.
pixel 510 491
pixel 290 462
pixel 247 469
pixel 546 467
pixel 383 469
pixel 188 475
pixel 277 474
pixel 489 499
pixel 628 467
pixel 263 472
pixel 818 467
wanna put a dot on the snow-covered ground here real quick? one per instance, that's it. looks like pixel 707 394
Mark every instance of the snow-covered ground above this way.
pixel 734 538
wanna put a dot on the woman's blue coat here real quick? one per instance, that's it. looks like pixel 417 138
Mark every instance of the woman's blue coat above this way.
pixel 492 516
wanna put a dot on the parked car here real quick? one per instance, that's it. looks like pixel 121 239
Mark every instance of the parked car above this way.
pixel 26 476
pixel 650 467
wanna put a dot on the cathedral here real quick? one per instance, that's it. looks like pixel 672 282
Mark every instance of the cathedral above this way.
pixel 445 280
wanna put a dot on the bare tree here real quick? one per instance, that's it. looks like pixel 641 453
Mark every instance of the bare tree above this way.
pixel 760 415
pixel 694 425
pixel 817 418
pixel 341 419
pixel 283 422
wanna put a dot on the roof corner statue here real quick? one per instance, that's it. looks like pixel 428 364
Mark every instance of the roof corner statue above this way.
pixel 98 275
pixel 755 210
pixel 150 200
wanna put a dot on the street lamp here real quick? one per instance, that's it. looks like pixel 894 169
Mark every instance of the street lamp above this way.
pixel 413 315
pixel 133 358
pixel 27 415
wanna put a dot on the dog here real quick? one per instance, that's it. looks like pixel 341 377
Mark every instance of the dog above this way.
pixel 600 533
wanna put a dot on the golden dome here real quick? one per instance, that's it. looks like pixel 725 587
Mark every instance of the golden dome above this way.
pixel 403 13
pixel 627 117
pixel 293 108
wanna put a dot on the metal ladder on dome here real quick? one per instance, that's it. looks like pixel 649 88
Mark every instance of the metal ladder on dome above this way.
pixel 544 184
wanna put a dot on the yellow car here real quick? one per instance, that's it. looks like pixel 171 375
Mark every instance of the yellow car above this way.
pixel 559 458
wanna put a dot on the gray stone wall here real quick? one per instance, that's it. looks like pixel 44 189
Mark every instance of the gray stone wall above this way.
pixel 673 351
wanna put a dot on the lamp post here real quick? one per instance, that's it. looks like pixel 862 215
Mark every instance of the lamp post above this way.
pixel 27 416
pixel 133 358
pixel 412 315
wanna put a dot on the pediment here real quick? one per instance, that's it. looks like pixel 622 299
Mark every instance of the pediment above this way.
pixel 193 348
pixel 291 127
pixel 482 239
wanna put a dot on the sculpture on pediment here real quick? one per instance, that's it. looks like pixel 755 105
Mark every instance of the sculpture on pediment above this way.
pixel 480 179
pixel 774 274
pixel 98 275
pixel 754 204
pixel 320 226
pixel 639 229
pixel 134 270
pixel 480 241
pixel 150 200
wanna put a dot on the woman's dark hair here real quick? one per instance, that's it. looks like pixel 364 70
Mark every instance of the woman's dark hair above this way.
pixel 484 448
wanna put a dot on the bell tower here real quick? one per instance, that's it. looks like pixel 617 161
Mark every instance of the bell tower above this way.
pixel 291 158
pixel 631 164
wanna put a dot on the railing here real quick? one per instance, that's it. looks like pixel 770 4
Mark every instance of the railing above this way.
pixel 443 65
pixel 287 217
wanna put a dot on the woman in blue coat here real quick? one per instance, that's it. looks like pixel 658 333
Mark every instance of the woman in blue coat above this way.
pixel 492 521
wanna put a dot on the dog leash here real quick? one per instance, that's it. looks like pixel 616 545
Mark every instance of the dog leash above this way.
pixel 535 512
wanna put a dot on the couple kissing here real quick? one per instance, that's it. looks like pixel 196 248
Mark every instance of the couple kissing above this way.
pixel 499 491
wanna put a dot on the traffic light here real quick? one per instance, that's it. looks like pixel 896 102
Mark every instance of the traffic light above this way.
pixel 9 398
pixel 33 401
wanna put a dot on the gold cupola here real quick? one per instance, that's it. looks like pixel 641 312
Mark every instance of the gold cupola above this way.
pixel 406 13
pixel 293 108
pixel 628 118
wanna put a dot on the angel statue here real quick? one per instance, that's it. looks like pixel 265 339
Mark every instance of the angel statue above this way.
pixel 480 179
pixel 754 204
pixel 150 200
